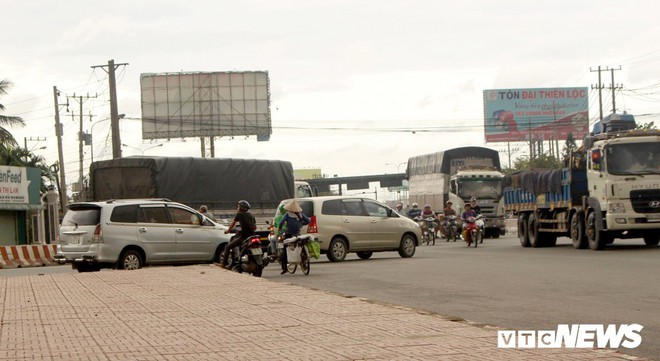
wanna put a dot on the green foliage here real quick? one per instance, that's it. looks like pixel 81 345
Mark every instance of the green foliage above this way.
pixel 6 138
pixel 541 161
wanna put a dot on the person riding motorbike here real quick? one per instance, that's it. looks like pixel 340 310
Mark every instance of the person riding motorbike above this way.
pixel 447 212
pixel 426 213
pixel 248 226
pixel 414 211
pixel 468 212
pixel 294 220
pixel 477 211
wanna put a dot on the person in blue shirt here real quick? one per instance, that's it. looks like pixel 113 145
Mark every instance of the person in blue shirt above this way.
pixel 415 211
pixel 294 220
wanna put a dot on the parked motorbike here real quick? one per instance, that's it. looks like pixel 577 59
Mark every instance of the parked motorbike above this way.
pixel 248 257
pixel 472 231
pixel 451 228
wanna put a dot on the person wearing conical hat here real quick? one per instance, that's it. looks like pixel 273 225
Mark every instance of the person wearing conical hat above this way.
pixel 294 220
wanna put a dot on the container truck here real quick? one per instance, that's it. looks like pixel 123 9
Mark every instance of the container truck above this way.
pixel 457 175
pixel 609 189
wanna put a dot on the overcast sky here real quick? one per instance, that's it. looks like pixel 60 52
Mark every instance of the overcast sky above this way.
pixel 359 67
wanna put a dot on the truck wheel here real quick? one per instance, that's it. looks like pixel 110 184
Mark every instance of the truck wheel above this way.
pixel 595 236
pixel 523 235
pixel 577 232
pixel 337 250
pixel 652 239
pixel 535 238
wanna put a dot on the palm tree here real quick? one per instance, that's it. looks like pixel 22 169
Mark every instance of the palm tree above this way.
pixel 6 139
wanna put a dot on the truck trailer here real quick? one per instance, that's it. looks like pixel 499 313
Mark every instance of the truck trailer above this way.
pixel 218 183
pixel 609 189
pixel 457 175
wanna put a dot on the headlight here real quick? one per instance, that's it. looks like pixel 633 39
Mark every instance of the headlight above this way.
pixel 617 208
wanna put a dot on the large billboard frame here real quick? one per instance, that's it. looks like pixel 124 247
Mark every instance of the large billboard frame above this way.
pixel 535 114
pixel 205 104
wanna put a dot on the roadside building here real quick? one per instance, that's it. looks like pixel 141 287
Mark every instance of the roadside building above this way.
pixel 21 209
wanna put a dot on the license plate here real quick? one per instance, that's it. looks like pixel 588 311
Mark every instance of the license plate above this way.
pixel 256 251
pixel 653 216
pixel 76 240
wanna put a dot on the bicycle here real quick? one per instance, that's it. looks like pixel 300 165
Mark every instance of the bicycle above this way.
pixel 297 253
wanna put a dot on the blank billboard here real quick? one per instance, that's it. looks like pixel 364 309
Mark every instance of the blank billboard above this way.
pixel 200 104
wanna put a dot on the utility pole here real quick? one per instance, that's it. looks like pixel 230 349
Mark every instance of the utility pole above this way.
pixel 114 113
pixel 614 87
pixel 32 139
pixel 58 133
pixel 81 138
pixel 600 87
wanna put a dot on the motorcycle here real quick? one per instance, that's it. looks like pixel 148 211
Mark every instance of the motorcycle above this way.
pixel 451 229
pixel 428 232
pixel 472 231
pixel 248 257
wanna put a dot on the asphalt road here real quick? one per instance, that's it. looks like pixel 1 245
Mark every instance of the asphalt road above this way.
pixel 499 283
pixel 502 284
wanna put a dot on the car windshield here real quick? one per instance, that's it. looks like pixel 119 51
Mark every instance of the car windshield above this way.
pixel 636 158
pixel 480 189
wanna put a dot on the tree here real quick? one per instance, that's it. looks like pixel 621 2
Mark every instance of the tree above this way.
pixel 646 126
pixel 541 161
pixel 6 138
pixel 570 146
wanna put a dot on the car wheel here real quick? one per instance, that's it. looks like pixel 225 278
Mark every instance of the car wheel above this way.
pixel 337 250
pixel 364 254
pixel 577 232
pixel 407 246
pixel 130 260
pixel 217 257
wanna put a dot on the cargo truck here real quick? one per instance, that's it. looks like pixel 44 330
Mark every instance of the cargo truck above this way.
pixel 216 182
pixel 457 175
pixel 609 189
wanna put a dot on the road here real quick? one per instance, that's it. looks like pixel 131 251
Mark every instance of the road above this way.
pixel 502 284
pixel 499 283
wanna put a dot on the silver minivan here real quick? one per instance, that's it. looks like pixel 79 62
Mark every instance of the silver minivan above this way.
pixel 130 233
pixel 346 224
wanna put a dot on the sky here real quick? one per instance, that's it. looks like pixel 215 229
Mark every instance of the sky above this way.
pixel 357 87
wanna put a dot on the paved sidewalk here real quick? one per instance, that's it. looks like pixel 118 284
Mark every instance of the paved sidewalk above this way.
pixel 206 313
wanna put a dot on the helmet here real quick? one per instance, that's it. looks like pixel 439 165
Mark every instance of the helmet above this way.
pixel 449 202
pixel 244 204
pixel 415 205
pixel 427 206
pixel 473 199
pixel 399 205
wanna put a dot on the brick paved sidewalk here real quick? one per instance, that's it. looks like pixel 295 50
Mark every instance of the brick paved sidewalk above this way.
pixel 206 313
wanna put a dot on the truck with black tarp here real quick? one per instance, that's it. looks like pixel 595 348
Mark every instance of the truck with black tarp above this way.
pixel 610 189
pixel 218 183
pixel 457 175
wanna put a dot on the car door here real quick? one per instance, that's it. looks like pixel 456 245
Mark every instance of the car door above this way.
pixel 156 233
pixel 194 241
pixel 357 225
pixel 385 230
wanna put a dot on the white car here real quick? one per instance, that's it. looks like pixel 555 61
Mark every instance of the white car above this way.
pixel 346 224
pixel 131 233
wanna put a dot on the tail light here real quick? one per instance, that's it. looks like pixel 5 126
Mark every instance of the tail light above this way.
pixel 255 242
pixel 98 234
pixel 312 227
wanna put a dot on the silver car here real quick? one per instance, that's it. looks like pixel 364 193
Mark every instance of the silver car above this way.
pixel 130 233
pixel 346 224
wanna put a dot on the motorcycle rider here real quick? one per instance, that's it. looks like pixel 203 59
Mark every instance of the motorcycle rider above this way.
pixel 399 209
pixel 414 211
pixel 427 212
pixel 468 212
pixel 447 212
pixel 477 211
pixel 294 220
pixel 248 226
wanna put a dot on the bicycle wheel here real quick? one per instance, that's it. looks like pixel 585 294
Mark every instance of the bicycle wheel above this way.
pixel 304 261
